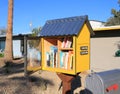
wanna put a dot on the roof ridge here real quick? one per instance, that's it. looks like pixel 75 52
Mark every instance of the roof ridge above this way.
pixel 64 26
pixel 68 19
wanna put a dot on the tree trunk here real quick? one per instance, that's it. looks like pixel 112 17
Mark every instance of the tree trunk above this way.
pixel 9 44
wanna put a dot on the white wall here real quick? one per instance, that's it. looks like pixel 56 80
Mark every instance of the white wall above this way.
pixel 16 48
pixel 103 54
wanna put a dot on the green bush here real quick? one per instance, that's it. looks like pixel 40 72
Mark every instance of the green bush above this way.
pixel 117 53
pixel 1 54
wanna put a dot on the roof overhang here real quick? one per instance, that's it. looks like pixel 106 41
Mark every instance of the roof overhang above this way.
pixel 116 27
pixel 65 27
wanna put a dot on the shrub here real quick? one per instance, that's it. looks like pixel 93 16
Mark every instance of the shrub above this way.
pixel 1 55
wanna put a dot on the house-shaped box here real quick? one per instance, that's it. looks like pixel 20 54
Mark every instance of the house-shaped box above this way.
pixel 66 45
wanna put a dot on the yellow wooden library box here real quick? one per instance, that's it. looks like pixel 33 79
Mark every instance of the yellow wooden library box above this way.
pixel 65 45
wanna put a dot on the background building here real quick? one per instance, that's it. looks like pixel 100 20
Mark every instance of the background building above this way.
pixel 104 46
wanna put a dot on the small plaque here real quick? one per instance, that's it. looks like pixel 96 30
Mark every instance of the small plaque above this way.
pixel 84 48
pixel 83 52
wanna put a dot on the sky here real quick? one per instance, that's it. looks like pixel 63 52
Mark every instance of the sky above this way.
pixel 37 12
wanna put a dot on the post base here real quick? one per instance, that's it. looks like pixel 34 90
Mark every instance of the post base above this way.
pixel 66 82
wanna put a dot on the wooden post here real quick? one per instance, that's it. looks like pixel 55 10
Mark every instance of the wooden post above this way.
pixel 25 56
pixel 66 82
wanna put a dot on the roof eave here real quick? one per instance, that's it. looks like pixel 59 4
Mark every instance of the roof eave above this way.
pixel 117 27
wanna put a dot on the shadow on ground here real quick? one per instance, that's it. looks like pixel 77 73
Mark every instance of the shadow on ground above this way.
pixel 18 84
pixel 12 68
pixel 22 85
pixel 32 83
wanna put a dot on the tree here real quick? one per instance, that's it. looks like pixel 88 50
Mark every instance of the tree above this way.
pixel 9 46
pixel 2 31
pixel 115 19
pixel 119 2
pixel 34 43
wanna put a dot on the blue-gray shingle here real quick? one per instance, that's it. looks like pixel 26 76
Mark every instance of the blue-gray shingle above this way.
pixel 64 26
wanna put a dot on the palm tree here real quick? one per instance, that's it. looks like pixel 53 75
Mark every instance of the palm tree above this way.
pixel 9 46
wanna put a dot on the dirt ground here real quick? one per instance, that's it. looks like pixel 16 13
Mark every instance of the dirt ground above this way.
pixel 13 81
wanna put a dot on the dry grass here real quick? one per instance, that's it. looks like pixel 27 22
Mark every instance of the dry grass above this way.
pixel 21 85
pixel 12 81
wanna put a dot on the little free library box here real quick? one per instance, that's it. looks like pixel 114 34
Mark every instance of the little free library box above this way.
pixel 65 45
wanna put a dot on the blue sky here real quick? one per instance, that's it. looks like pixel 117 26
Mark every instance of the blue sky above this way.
pixel 38 11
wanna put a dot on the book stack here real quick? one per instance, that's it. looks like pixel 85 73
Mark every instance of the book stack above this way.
pixel 66 60
pixel 51 57
pixel 67 42
pixel 62 58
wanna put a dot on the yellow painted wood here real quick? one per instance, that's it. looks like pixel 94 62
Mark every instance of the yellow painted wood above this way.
pixel 74 54
pixel 66 48
pixel 33 69
pixel 80 62
pixel 43 57
pixel 59 70
pixel 83 39
pixel 62 70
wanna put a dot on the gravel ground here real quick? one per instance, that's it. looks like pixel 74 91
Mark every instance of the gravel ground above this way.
pixel 12 81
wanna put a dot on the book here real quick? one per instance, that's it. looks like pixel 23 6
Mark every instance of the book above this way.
pixel 71 61
pixel 68 43
pixel 51 59
pixel 66 60
pixel 56 59
pixel 61 59
pixel 53 56
pixel 47 59
pixel 64 42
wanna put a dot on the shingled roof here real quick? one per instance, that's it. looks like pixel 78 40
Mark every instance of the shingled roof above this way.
pixel 64 26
